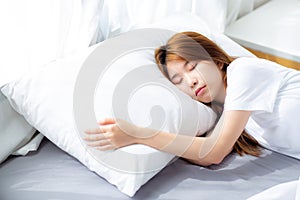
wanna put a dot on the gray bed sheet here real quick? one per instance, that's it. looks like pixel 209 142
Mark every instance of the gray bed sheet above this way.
pixel 51 173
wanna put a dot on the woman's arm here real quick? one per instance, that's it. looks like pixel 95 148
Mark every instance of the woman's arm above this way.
pixel 203 150
pixel 200 150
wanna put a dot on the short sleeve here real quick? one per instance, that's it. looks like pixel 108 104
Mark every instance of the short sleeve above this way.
pixel 252 84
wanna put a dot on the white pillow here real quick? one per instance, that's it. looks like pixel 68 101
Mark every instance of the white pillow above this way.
pixel 15 131
pixel 189 22
pixel 59 102
pixel 120 16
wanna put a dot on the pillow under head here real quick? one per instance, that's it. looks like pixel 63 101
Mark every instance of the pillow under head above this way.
pixel 117 78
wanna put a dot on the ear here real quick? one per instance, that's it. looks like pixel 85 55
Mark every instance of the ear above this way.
pixel 220 65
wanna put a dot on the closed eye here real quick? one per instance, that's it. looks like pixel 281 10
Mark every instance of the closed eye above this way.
pixel 191 66
pixel 176 80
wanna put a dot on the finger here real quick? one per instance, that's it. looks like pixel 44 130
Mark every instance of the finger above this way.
pixel 99 143
pixel 94 131
pixel 102 129
pixel 107 121
pixel 94 137
pixel 105 148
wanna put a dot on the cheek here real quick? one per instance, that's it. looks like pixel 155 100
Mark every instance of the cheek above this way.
pixel 183 89
pixel 213 79
pixel 207 73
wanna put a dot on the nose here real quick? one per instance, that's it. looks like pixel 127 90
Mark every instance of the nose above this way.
pixel 191 80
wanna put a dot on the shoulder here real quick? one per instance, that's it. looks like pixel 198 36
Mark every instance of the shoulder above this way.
pixel 244 64
pixel 242 69
pixel 250 82
pixel 249 68
pixel 253 64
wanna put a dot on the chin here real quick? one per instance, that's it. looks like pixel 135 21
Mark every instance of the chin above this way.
pixel 205 101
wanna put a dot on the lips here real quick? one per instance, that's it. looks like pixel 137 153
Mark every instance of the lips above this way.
pixel 199 90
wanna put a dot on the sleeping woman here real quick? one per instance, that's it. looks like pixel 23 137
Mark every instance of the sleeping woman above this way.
pixel 258 102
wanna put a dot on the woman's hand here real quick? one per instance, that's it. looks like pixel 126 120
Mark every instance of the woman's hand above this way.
pixel 112 134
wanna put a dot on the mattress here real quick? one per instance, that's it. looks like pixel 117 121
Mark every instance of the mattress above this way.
pixel 50 173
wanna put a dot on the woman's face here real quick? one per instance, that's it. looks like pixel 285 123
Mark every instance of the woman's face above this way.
pixel 202 80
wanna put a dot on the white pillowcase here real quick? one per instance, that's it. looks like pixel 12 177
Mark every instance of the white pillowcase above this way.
pixel 189 22
pixel 34 33
pixel 68 96
pixel 15 131
pixel 120 16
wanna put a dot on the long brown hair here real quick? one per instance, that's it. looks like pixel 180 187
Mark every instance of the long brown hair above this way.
pixel 191 46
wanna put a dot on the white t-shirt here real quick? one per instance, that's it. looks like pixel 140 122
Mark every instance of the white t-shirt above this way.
pixel 272 93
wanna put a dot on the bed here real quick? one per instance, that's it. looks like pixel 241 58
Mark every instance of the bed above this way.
pixel 50 173
pixel 57 167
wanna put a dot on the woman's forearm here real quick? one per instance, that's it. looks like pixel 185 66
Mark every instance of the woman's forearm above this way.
pixel 187 147
pixel 207 150
pixel 201 150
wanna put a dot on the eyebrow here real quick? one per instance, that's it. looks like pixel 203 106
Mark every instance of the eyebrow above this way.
pixel 185 64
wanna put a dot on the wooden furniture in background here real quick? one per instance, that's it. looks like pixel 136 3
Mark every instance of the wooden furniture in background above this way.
pixel 282 61
pixel 271 31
